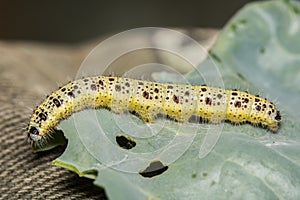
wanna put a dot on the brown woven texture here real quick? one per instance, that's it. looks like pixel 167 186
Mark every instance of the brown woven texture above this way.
pixel 24 174
pixel 28 72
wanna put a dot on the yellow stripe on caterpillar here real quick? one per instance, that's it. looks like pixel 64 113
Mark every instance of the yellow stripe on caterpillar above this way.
pixel 148 99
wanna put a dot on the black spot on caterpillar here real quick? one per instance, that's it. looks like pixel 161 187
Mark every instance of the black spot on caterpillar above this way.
pixel 149 99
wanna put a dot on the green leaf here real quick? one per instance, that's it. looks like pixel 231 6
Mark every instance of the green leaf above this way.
pixel 258 51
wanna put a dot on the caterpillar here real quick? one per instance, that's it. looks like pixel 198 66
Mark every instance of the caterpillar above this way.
pixel 149 99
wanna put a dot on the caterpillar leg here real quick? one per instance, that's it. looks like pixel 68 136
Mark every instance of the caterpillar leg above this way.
pixel 118 110
pixel 180 118
pixel 146 117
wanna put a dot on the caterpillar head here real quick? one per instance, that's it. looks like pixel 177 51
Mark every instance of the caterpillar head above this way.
pixel 42 142
pixel 33 134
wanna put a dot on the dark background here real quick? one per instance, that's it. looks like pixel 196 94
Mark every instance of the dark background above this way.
pixel 75 21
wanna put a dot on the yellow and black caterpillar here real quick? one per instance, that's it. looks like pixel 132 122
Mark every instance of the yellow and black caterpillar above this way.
pixel 148 99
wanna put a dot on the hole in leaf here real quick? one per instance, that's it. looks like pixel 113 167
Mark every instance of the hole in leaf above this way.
pixel 155 168
pixel 125 142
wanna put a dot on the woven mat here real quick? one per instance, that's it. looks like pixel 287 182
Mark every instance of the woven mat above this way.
pixel 24 174
pixel 28 71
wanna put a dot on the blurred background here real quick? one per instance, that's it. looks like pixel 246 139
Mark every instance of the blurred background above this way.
pixel 77 21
